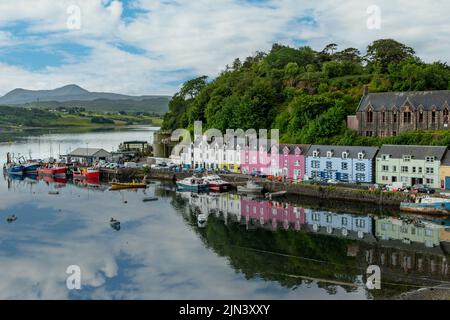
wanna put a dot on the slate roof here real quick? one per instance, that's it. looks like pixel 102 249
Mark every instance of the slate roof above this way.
pixel 86 152
pixel 446 160
pixel 389 100
pixel 303 147
pixel 370 152
pixel 417 152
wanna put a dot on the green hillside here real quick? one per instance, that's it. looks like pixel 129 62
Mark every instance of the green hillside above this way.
pixel 307 94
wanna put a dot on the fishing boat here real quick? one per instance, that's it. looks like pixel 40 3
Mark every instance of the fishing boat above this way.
pixel 428 205
pixel 250 187
pixel 216 183
pixel 30 167
pixel 193 184
pixel 128 185
pixel 13 169
pixel 87 174
pixel 54 170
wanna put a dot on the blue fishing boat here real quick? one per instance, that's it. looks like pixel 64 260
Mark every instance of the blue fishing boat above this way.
pixel 14 169
pixel 30 168
pixel 193 184
pixel 427 205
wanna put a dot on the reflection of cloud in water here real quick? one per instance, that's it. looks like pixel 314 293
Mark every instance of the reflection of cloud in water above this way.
pixel 155 255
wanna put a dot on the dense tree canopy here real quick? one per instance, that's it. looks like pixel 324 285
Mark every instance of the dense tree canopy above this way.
pixel 304 93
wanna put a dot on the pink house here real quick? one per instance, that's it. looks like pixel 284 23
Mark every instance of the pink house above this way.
pixel 257 158
pixel 291 160
pixel 273 213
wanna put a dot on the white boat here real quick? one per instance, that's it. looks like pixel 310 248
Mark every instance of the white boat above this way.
pixel 193 184
pixel 216 183
pixel 251 187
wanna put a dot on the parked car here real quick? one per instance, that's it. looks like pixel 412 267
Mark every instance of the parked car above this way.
pixel 420 188
pixel 199 170
pixel 132 165
pixel 332 181
pixel 258 174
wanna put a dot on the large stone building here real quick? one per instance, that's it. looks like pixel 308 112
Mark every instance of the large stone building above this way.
pixel 391 113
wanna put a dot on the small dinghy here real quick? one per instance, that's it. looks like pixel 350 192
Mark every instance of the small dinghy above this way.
pixel 11 219
pixel 150 199
pixel 115 224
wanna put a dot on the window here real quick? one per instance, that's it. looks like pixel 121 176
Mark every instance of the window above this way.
pixel 329 218
pixel 385 168
pixel 385 178
pixel 329 165
pixel 315 164
pixel 404 179
pixel 385 157
pixel 361 156
pixel 407 117
pixel 344 155
pixel 384 227
pixel 344 221
pixel 428 232
pixel 430 170
pixel 297 163
pixel 394 117
pixel 369 133
pixel 360 167
pixel 360 223
pixel 344 166
pixel 316 217
pixel 404 229
pixel 314 174
pixel 429 159
pixel 369 116
pixel 407 158
pixel 420 170
pixel 394 169
pixel 329 154
pixel 394 133
pixel 414 169
pixel 383 117
pixel 404 169
pixel 315 154
pixel 433 117
pixel 360 177
pixel 421 117
pixel 430 181
pixel 445 114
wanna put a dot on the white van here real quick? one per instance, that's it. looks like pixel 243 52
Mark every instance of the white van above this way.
pixel 130 165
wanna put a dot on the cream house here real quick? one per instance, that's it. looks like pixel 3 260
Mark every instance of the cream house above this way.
pixel 409 164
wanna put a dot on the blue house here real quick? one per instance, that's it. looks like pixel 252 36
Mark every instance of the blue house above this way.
pixel 341 163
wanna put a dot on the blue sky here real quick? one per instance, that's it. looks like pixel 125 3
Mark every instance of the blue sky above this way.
pixel 152 46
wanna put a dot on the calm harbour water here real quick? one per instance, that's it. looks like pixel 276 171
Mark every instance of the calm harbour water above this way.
pixel 247 249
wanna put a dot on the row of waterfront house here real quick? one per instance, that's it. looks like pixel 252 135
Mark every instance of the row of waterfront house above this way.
pixel 410 165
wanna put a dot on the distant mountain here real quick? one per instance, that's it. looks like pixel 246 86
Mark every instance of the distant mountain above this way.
pixel 82 97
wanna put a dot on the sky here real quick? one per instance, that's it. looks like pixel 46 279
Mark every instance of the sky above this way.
pixel 152 46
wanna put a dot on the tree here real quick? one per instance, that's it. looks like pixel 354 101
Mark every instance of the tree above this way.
pixel 192 87
pixel 386 51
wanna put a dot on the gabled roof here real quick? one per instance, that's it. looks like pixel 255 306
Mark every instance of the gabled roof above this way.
pixel 292 147
pixel 417 152
pixel 388 100
pixel 353 151
pixel 86 152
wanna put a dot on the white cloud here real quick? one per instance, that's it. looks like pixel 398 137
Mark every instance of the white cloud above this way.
pixel 201 37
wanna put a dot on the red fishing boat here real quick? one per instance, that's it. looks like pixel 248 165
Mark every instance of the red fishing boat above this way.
pixel 91 174
pixel 54 170
pixel 216 184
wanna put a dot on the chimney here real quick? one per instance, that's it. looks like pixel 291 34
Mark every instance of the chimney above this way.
pixel 365 90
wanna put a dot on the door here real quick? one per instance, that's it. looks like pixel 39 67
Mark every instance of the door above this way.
pixel 394 179
pixel 447 183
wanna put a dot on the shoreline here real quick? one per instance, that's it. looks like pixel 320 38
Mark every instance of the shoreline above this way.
pixel 323 193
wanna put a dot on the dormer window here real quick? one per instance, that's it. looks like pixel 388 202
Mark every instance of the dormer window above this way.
pixel 407 158
pixel 286 151
pixel 298 151
pixel 329 154
pixel 361 156
pixel 316 154
pixel 430 159
pixel 385 157
pixel 345 155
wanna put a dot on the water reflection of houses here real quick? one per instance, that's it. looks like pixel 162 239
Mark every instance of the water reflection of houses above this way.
pixel 340 225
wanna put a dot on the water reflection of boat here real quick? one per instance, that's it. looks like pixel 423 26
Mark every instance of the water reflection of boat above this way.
pixel 427 205
pixel 251 187
pixel 54 180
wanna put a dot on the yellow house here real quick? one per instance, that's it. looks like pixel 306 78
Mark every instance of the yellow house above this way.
pixel 445 171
